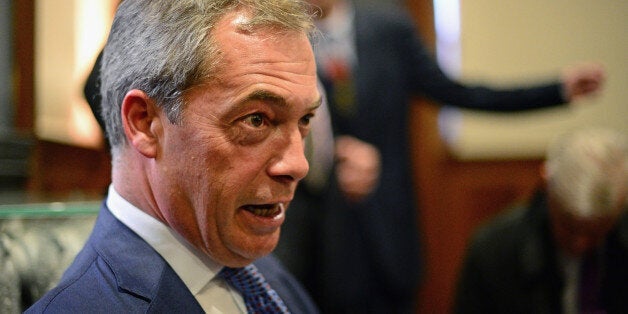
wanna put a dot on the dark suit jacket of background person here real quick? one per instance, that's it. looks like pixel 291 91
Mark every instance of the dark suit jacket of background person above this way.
pixel 370 252
pixel 118 272
pixel 511 266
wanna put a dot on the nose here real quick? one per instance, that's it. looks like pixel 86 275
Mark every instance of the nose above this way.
pixel 290 164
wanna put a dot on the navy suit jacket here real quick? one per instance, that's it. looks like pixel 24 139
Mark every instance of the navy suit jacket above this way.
pixel 118 272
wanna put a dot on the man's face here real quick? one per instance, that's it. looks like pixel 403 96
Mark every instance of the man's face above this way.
pixel 226 175
pixel 577 236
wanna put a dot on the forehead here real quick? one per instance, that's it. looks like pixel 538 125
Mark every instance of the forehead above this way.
pixel 265 57
pixel 232 32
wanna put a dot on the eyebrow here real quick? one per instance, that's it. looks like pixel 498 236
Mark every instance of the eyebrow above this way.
pixel 278 100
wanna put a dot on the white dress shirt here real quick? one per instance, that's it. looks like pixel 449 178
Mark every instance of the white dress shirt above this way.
pixel 197 271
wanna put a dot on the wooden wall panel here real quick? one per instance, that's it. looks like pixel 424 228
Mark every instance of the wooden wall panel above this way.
pixel 23 27
pixel 64 172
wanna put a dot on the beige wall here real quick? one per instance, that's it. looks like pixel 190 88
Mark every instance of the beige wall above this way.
pixel 68 36
pixel 503 42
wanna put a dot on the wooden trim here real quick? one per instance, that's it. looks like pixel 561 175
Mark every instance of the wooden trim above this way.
pixel 24 52
pixel 423 13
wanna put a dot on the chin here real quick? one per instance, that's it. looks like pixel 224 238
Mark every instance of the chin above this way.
pixel 247 254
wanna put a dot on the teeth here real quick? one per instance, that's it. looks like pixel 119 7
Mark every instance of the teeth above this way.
pixel 264 210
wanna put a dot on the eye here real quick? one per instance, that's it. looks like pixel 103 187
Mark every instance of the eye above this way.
pixel 305 121
pixel 255 120
pixel 251 128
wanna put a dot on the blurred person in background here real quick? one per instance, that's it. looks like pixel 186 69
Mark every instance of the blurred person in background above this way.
pixel 566 251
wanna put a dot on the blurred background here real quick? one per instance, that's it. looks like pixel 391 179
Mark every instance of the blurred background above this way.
pixel 470 165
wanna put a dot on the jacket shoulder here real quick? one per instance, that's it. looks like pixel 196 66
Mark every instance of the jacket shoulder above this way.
pixel 88 285
pixel 117 272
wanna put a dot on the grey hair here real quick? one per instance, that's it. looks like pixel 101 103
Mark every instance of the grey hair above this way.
pixel 165 47
pixel 588 171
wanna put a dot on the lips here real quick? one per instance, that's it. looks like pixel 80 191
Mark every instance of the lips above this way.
pixel 262 219
pixel 265 210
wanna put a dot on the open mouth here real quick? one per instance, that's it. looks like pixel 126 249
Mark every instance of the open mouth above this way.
pixel 265 210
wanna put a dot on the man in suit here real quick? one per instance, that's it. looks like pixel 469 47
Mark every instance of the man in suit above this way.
pixel 363 252
pixel 206 106
pixel 535 258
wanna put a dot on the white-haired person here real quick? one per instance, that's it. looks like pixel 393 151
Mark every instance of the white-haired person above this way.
pixel 566 251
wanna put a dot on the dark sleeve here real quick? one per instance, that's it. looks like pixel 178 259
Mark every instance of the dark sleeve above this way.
pixel 91 91
pixel 427 79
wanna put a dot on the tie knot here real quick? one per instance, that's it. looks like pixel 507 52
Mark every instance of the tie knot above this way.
pixel 247 279
pixel 258 296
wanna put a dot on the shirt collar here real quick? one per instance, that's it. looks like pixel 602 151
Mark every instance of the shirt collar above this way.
pixel 194 268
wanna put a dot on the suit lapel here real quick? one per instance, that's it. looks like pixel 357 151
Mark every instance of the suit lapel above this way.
pixel 127 255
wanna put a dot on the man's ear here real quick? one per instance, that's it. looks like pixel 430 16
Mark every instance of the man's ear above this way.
pixel 141 122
